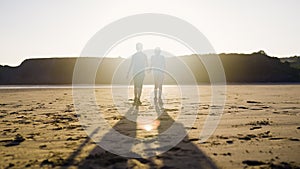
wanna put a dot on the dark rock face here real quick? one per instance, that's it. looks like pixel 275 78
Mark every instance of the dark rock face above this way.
pixel 257 67
pixel 38 72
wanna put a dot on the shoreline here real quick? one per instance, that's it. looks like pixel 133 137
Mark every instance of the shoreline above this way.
pixel 146 85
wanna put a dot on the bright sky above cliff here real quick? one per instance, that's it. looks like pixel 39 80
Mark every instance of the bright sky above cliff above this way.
pixel 60 28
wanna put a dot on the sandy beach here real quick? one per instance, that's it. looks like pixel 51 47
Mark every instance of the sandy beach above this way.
pixel 259 128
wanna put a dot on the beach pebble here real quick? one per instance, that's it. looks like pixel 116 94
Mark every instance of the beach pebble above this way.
pixel 255 127
pixel 229 141
pixel 250 101
pixel 42 146
pixel 253 162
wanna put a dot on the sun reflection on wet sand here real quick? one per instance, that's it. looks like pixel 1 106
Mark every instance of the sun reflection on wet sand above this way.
pixel 149 126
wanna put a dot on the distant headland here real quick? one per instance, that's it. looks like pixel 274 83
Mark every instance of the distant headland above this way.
pixel 257 67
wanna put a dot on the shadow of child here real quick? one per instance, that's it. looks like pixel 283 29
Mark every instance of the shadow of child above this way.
pixel 184 155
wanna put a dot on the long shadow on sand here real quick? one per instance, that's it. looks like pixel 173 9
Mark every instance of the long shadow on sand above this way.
pixel 184 155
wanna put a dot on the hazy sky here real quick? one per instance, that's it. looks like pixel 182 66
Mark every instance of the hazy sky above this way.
pixel 60 28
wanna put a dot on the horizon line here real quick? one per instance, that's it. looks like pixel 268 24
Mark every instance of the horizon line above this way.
pixel 78 56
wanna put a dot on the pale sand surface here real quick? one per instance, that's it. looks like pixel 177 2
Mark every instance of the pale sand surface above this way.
pixel 260 128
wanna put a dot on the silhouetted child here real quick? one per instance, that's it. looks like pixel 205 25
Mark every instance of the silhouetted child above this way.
pixel 137 66
pixel 158 66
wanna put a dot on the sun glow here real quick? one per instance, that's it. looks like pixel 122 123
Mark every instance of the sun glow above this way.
pixel 150 125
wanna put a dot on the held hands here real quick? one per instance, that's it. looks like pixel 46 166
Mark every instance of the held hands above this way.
pixel 127 76
pixel 148 69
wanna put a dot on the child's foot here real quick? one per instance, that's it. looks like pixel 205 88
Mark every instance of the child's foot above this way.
pixel 135 101
pixel 160 101
pixel 138 102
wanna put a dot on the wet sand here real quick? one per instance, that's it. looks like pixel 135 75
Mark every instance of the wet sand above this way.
pixel 260 126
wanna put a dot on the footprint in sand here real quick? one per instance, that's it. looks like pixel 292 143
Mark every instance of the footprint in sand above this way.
pixel 16 141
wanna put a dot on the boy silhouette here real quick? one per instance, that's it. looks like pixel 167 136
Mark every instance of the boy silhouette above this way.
pixel 137 67
pixel 158 65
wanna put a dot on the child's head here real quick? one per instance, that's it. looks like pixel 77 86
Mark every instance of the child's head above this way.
pixel 157 50
pixel 139 47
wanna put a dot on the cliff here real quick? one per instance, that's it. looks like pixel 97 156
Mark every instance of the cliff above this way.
pixel 239 68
